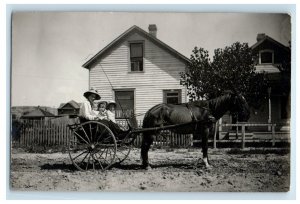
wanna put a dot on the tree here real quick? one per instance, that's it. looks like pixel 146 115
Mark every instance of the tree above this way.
pixel 232 68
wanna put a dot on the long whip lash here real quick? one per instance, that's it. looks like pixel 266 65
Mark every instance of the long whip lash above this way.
pixel 115 94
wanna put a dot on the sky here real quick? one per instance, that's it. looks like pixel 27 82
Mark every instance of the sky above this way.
pixel 49 48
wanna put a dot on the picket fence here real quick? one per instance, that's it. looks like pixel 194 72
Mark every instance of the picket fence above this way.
pixel 56 133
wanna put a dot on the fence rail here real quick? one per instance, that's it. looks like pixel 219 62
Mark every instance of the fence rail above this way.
pixel 243 131
pixel 56 132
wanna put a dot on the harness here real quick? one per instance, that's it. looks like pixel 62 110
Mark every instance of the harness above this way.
pixel 194 119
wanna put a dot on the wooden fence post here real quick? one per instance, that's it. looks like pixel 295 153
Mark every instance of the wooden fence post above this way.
pixel 273 135
pixel 243 136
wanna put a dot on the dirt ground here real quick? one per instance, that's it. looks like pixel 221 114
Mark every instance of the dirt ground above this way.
pixel 173 170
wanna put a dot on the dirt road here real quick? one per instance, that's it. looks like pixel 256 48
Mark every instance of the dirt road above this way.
pixel 173 170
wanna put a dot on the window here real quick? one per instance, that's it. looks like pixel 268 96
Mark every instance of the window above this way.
pixel 266 57
pixel 125 103
pixel 136 57
pixel 172 96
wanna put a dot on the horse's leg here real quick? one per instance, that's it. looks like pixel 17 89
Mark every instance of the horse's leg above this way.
pixel 146 143
pixel 204 135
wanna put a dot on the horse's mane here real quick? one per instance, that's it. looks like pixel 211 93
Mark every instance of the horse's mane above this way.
pixel 214 103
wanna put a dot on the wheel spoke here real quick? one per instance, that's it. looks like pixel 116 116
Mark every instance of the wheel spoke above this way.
pixel 91 132
pixel 101 135
pixel 93 162
pixel 80 155
pixel 84 157
pixel 87 165
pixel 106 162
pixel 98 161
pixel 81 137
pixel 107 139
pixel 86 134
pixel 97 129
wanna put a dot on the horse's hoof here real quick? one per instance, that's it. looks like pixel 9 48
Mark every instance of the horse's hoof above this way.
pixel 146 167
pixel 208 167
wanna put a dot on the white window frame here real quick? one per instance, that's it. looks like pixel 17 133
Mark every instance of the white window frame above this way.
pixel 166 91
pixel 264 51
pixel 129 57
pixel 126 90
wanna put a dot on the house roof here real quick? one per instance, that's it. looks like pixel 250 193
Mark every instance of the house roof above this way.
pixel 38 112
pixel 267 38
pixel 72 103
pixel 127 33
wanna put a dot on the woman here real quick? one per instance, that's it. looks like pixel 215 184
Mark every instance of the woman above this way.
pixel 86 112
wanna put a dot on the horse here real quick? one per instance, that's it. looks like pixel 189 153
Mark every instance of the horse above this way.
pixel 197 117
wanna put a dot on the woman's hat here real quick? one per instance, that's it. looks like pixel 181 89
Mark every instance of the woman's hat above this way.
pixel 92 91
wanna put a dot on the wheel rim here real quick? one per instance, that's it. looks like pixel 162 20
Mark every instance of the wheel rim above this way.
pixel 123 151
pixel 92 146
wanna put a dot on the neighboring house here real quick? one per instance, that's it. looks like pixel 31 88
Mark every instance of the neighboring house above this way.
pixel 274 59
pixel 138 71
pixel 70 109
pixel 18 111
pixel 38 114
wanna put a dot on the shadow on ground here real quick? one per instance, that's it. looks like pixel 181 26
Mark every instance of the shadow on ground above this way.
pixel 72 168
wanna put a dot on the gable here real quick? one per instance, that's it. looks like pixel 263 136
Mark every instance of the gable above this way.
pixel 269 43
pixel 126 34
pixel 70 105
pixel 67 106
pixel 275 52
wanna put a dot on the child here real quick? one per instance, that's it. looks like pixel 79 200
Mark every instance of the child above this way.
pixel 111 114
pixel 102 110
pixel 111 107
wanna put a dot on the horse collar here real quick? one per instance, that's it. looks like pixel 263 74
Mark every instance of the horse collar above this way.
pixel 194 119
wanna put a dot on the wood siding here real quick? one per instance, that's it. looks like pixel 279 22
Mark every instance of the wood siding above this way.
pixel 161 71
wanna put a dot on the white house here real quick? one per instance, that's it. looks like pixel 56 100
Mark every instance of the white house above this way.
pixel 138 71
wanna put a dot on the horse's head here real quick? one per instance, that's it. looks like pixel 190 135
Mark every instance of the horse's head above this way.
pixel 240 107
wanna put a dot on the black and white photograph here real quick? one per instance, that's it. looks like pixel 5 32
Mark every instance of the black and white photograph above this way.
pixel 150 102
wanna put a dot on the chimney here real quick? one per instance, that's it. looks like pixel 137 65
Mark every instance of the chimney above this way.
pixel 260 36
pixel 152 30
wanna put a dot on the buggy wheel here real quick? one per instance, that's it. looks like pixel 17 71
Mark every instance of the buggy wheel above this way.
pixel 92 145
pixel 123 150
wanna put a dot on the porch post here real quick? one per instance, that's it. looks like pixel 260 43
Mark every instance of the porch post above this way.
pixel 270 114
pixel 219 123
